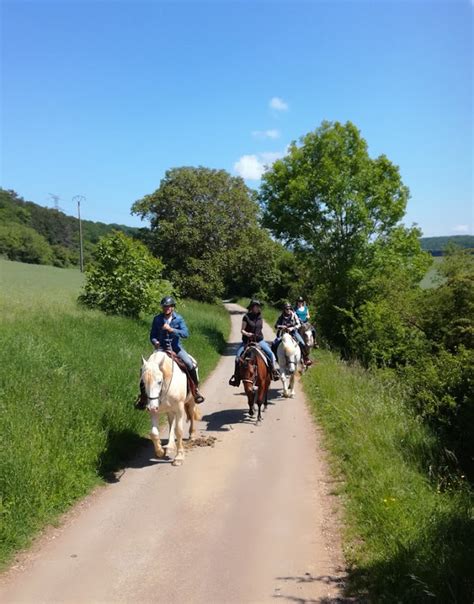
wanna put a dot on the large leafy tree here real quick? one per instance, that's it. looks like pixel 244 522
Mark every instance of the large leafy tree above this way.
pixel 340 210
pixel 204 225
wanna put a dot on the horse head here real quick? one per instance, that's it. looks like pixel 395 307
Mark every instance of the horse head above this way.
pixel 152 379
pixel 290 350
pixel 306 332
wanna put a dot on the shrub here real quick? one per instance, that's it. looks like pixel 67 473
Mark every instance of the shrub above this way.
pixel 124 279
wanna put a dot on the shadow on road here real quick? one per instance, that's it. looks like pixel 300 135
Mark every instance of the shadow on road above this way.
pixel 217 420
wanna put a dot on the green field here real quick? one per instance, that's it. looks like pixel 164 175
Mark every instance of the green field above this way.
pixel 432 277
pixel 68 380
pixel 407 538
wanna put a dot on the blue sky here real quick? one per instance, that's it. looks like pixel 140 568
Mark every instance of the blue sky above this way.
pixel 101 98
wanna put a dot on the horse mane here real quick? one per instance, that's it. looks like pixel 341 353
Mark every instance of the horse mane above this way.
pixel 289 345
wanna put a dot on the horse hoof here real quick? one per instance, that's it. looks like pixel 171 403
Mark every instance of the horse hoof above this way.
pixel 159 453
pixel 177 462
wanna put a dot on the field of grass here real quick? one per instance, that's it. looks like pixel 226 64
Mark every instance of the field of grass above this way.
pixel 68 380
pixel 432 277
pixel 406 539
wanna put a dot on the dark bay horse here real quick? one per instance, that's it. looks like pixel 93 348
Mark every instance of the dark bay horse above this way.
pixel 256 378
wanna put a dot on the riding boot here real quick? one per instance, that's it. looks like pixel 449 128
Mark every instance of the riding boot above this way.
pixel 235 379
pixel 198 397
pixel 275 373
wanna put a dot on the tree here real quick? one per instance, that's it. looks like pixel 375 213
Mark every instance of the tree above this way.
pixel 340 210
pixel 19 242
pixel 125 279
pixel 204 224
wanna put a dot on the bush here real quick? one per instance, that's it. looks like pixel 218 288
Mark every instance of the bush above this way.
pixel 125 279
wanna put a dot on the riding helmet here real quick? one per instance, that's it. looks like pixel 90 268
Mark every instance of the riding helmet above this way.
pixel 300 299
pixel 168 301
pixel 287 305
pixel 254 303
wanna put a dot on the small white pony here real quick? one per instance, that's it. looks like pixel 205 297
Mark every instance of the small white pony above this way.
pixel 166 389
pixel 289 358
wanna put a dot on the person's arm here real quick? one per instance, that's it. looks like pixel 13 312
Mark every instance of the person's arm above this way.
pixel 181 329
pixel 243 329
pixel 155 332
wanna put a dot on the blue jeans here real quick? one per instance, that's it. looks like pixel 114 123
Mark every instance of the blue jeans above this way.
pixel 264 346
pixel 184 356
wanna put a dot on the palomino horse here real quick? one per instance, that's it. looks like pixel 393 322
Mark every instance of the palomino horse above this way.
pixel 255 375
pixel 289 357
pixel 306 332
pixel 166 390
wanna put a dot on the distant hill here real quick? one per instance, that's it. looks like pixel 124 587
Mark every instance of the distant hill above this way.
pixel 437 245
pixel 35 234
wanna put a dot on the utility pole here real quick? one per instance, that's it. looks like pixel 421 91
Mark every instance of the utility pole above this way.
pixel 80 198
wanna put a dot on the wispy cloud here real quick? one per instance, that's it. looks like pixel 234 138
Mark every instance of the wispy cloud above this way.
pixel 278 104
pixel 252 167
pixel 273 133
pixel 461 229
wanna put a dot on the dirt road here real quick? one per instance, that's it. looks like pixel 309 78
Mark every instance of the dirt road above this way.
pixel 246 520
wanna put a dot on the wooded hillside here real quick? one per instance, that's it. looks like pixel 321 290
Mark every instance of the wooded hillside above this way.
pixel 39 235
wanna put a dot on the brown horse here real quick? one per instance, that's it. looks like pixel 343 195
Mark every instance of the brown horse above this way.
pixel 255 375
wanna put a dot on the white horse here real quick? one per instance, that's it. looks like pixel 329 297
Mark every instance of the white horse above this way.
pixel 306 332
pixel 166 389
pixel 289 358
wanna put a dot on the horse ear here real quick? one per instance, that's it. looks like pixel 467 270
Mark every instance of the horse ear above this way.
pixel 143 360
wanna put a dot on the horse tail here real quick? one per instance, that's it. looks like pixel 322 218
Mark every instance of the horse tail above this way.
pixel 194 414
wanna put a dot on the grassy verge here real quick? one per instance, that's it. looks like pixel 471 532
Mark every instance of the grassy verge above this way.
pixel 68 379
pixel 406 540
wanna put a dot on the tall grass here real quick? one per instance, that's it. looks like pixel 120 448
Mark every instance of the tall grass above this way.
pixel 407 540
pixel 67 383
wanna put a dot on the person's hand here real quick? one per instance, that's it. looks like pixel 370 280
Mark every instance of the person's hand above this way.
pixel 167 328
pixel 156 344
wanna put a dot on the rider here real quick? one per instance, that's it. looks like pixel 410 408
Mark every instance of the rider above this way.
pixel 289 321
pixel 252 326
pixel 302 312
pixel 166 330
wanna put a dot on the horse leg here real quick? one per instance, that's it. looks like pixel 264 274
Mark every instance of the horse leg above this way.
pixel 155 434
pixel 171 446
pixel 292 386
pixel 190 411
pixel 179 423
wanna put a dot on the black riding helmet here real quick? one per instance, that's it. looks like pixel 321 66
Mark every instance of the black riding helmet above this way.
pixel 300 299
pixel 168 301
pixel 254 303
pixel 287 305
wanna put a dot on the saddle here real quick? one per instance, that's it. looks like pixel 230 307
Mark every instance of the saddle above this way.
pixel 257 348
pixel 191 386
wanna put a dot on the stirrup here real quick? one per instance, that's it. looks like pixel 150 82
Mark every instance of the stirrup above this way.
pixel 198 397
pixel 275 375
pixel 234 381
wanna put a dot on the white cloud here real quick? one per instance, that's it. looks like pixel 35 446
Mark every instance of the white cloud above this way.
pixel 461 229
pixel 273 133
pixel 278 104
pixel 251 167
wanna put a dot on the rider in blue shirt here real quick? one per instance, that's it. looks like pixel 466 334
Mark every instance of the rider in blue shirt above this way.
pixel 166 330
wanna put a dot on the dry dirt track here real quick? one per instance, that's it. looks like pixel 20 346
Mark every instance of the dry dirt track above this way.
pixel 248 520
